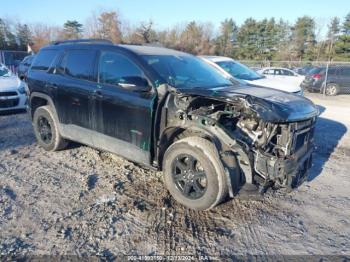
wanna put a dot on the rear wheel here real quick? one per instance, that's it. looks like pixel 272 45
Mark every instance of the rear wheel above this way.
pixel 332 89
pixel 46 130
pixel 194 174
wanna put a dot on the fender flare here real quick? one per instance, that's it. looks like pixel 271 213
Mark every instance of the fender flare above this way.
pixel 49 101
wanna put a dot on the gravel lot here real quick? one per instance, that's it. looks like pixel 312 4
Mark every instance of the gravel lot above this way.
pixel 84 202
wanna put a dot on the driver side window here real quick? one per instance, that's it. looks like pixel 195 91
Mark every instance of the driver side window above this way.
pixel 116 69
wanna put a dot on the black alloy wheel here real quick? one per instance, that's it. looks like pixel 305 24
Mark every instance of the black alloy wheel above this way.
pixel 189 176
pixel 45 130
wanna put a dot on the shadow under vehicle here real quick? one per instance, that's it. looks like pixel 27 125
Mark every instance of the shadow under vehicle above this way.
pixel 171 111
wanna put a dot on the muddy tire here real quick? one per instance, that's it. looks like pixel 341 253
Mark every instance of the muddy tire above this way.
pixel 194 173
pixel 46 130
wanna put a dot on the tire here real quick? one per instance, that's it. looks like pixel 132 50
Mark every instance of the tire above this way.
pixel 332 89
pixel 206 180
pixel 46 130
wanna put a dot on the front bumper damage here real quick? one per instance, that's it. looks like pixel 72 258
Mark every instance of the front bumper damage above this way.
pixel 290 167
pixel 268 153
pixel 289 173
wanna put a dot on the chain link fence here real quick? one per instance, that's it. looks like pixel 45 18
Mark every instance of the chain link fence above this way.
pixel 12 59
pixel 330 78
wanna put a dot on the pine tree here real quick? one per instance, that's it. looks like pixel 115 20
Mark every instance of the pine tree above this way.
pixel 24 36
pixel 72 29
pixel 333 28
pixel 303 38
pixel 346 25
pixel 247 40
pixel 3 30
pixel 227 38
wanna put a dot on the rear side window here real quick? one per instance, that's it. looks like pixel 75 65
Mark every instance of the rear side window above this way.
pixel 79 64
pixel 44 60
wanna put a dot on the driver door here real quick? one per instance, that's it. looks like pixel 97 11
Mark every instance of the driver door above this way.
pixel 125 110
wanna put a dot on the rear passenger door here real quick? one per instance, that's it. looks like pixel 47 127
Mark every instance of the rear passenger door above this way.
pixel 75 82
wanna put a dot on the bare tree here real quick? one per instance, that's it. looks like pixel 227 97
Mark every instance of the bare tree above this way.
pixel 105 25
pixel 146 32
pixel 43 34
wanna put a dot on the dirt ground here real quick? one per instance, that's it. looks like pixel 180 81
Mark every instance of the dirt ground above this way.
pixel 84 202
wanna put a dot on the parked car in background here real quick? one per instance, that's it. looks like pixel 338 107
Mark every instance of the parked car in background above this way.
pixel 305 70
pixel 338 80
pixel 171 111
pixel 237 70
pixel 24 66
pixel 283 74
pixel 12 91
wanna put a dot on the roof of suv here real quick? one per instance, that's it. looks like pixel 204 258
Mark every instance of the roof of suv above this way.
pixel 138 49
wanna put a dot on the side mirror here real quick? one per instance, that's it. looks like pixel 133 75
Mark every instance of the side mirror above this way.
pixel 135 83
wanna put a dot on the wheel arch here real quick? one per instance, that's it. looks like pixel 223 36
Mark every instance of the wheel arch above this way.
pixel 37 100
pixel 175 133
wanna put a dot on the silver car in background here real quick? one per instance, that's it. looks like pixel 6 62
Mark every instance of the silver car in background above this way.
pixel 12 91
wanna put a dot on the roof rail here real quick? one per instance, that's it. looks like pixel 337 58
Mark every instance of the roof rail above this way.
pixel 83 41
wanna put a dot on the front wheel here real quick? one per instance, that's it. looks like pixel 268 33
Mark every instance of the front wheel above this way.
pixel 194 173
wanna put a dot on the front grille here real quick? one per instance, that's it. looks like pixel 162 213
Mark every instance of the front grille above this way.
pixel 8 93
pixel 304 132
pixel 9 103
pixel 300 141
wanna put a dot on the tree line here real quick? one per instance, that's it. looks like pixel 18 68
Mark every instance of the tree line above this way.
pixel 266 39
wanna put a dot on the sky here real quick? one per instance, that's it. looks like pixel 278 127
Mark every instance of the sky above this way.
pixel 166 13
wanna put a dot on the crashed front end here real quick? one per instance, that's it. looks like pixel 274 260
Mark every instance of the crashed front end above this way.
pixel 272 146
pixel 282 152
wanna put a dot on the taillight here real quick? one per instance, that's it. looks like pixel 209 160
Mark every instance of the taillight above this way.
pixel 316 76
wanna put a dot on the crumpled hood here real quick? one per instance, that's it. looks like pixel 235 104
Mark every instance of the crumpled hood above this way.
pixel 9 83
pixel 275 84
pixel 270 104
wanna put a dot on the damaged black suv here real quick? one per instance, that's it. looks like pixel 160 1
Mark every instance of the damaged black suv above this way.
pixel 170 111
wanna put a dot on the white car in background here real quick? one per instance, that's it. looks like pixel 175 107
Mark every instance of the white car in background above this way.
pixel 283 74
pixel 233 69
pixel 12 91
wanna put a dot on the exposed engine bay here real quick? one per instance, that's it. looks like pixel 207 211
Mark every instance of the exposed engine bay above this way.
pixel 268 153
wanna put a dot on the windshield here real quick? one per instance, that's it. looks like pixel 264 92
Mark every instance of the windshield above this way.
pixel 4 71
pixel 186 71
pixel 238 70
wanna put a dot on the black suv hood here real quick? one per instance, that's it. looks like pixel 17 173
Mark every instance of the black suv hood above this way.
pixel 271 105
